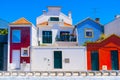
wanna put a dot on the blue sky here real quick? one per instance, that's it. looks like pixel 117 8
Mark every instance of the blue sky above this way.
pixel 11 10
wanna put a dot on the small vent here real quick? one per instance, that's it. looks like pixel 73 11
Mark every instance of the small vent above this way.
pixel 67 60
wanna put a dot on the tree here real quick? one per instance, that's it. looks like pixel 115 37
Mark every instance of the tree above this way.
pixel 3 31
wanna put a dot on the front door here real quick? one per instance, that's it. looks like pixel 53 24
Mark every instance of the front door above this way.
pixel 1 56
pixel 94 60
pixel 114 59
pixel 16 58
pixel 58 59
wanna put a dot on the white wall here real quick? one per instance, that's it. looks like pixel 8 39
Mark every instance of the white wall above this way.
pixel 55 32
pixel 42 58
pixel 44 18
pixel 34 40
pixel 112 28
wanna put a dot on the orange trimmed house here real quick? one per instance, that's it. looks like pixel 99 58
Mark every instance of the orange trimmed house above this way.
pixel 104 55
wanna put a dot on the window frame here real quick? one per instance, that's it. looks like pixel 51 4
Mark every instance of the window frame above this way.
pixel 22 52
pixel 89 29
pixel 47 36
pixel 13 32
pixel 54 19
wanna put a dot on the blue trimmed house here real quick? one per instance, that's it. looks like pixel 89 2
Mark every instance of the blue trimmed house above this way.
pixel 88 30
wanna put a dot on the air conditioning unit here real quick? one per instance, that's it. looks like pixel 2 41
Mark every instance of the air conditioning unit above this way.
pixel 104 67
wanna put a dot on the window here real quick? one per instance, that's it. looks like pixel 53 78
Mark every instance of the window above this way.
pixel 47 36
pixel 64 36
pixel 54 18
pixel 16 36
pixel 88 33
pixel 24 52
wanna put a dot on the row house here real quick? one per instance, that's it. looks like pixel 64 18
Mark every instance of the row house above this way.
pixel 22 35
pixel 57 50
pixel 88 30
pixel 55 28
pixel 3 44
pixel 104 55
pixel 113 27
pixel 56 45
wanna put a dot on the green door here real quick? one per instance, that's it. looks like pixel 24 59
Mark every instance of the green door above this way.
pixel 114 59
pixel 94 60
pixel 1 56
pixel 58 59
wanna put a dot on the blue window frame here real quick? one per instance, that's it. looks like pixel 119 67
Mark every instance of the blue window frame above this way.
pixel 16 36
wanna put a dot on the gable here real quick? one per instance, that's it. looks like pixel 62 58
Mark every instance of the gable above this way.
pixel 21 21
pixel 111 41
pixel 88 23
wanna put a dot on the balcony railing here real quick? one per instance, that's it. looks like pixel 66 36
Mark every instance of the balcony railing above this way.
pixel 66 38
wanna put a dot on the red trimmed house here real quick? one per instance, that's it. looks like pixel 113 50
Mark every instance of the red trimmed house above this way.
pixel 104 55
pixel 20 38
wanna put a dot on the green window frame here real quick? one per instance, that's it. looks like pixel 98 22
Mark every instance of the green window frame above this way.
pixel 47 36
pixel 54 19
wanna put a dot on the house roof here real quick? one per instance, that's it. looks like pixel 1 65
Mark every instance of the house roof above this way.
pixel 114 20
pixel 44 24
pixel 112 38
pixel 88 18
pixel 21 21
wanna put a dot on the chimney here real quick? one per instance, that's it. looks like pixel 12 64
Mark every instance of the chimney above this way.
pixel 44 12
pixel 69 14
pixel 97 20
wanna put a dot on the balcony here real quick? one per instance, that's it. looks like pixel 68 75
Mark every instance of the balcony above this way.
pixel 66 40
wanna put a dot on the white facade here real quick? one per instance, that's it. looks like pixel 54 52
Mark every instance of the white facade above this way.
pixel 55 32
pixel 42 58
pixel 113 27
pixel 54 12
pixel 62 24
pixel 33 36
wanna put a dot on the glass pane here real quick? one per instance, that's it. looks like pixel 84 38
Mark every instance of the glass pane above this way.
pixel 47 36
pixel 89 34
pixel 16 36
pixel 25 53
pixel 64 36
pixel 54 18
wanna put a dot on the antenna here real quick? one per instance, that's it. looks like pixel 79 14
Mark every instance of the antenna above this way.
pixel 94 12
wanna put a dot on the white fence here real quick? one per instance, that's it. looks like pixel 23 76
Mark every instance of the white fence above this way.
pixel 60 73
